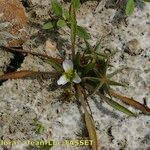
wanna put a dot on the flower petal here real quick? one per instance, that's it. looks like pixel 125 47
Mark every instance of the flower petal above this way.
pixel 76 79
pixel 67 65
pixel 62 80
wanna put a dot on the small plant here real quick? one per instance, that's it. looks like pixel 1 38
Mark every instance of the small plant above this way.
pixel 39 128
pixel 62 18
pixel 131 5
pixel 85 73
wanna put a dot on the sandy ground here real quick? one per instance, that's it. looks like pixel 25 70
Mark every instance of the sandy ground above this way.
pixel 23 100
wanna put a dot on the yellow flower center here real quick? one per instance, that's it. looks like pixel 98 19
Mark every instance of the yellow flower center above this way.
pixel 70 74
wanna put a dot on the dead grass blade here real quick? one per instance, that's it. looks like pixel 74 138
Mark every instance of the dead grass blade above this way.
pixel 88 120
pixel 130 101
pixel 24 74
pixel 54 61
pixel 91 130
pixel 32 53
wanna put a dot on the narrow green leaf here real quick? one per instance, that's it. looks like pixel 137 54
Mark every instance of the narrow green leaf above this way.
pixel 114 83
pixel 92 79
pixel 101 56
pixel 57 8
pixel 77 3
pixel 88 67
pixel 61 23
pixel 97 88
pixel 77 60
pixel 73 22
pixel 106 65
pixel 48 25
pixel 106 89
pixel 82 32
pixel 88 47
pixel 130 7
pixel 117 105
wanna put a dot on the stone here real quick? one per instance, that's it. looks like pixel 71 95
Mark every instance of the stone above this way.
pixel 14 14
pixel 133 47
pixel 64 120
pixel 50 48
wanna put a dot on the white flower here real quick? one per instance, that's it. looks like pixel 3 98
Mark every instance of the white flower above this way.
pixel 69 74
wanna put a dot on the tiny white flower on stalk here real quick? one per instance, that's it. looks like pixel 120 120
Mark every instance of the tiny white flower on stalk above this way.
pixel 69 74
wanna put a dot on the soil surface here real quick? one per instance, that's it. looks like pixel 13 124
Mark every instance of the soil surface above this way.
pixel 29 104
